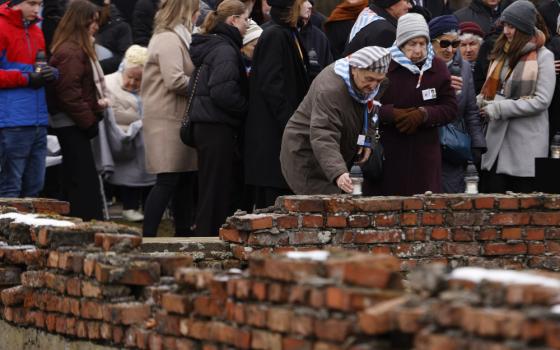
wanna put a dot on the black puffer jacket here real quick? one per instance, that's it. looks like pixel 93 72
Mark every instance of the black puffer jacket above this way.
pixel 143 21
pixel 221 94
pixel 116 36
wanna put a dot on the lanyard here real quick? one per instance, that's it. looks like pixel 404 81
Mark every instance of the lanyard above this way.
pixel 298 46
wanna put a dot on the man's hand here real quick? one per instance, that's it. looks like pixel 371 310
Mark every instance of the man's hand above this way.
pixel 364 152
pixel 345 183
pixel 456 83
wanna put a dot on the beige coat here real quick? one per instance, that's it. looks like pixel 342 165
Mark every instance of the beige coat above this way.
pixel 164 97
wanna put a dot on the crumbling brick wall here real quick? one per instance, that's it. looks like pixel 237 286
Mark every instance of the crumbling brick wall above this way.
pixel 494 231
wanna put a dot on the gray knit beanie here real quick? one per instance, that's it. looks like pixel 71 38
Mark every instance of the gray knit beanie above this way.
pixel 521 14
pixel 410 26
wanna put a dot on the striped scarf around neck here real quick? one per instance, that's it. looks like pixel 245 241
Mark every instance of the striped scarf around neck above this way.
pixel 365 17
pixel 398 56
pixel 342 69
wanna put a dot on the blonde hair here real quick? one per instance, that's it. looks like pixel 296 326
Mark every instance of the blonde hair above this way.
pixel 225 9
pixel 174 12
pixel 135 56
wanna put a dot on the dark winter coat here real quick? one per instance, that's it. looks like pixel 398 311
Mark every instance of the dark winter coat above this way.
pixel 480 14
pixel 222 88
pixel 483 60
pixel 319 142
pixel 377 33
pixel 337 32
pixel 143 21
pixel 550 11
pixel 468 120
pixel 126 8
pixel 74 93
pixel 116 36
pixel 554 110
pixel 318 49
pixel 279 81
pixel 413 162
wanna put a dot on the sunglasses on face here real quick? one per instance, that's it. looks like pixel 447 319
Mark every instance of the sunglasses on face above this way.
pixel 446 43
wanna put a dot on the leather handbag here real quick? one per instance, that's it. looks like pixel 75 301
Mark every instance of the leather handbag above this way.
pixel 455 144
pixel 186 131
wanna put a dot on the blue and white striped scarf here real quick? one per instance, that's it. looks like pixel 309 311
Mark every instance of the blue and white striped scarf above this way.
pixel 364 18
pixel 398 56
pixel 342 69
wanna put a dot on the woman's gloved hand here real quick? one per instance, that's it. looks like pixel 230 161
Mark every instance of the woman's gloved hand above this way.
pixel 409 122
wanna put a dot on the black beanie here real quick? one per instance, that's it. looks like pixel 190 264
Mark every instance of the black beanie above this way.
pixel 99 3
pixel 384 3
pixel 281 3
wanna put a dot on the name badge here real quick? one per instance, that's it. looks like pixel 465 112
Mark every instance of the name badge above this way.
pixel 364 141
pixel 429 94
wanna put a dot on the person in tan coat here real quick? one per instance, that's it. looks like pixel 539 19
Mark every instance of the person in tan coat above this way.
pixel 164 95
pixel 321 141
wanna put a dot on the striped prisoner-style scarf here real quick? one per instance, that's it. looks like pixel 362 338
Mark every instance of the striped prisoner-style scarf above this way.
pixel 521 80
pixel 365 17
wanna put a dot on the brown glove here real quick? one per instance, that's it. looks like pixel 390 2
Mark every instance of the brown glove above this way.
pixel 398 113
pixel 410 121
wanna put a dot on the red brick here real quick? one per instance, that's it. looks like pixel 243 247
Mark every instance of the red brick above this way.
pixel 89 265
pixel 484 202
pixel 118 334
pixel 279 319
pixel 460 203
pixel 207 306
pixel 93 330
pixel 74 286
pixel 415 234
pixel 535 248
pixel 552 202
pixel 409 219
pixel 60 325
pixel 265 340
pixel 258 290
pixel 381 249
pixel 232 235
pixel 511 233
pixel 377 236
pixel 385 220
pixel 530 202
pixel 546 219
pixel 404 250
pixel 313 221
pixel 15 295
pixel 536 234
pixel 487 234
pixel 440 234
pixel 138 273
pixel 376 204
pixel 508 203
pixel 91 309
pixel 504 248
pixel 50 322
pixel 433 203
pixel 552 246
pixel 462 235
pixel 252 222
pixel 169 324
pixel 313 237
pixel 432 219
pixel 413 204
pixel 176 303
pixel 55 282
pixel 378 319
pixel 287 221
pixel 122 241
pixel 81 329
pixel 510 219
pixel 295 344
pixel 358 221
pixel 411 320
pixel 302 325
pixel 317 298
pixel 127 313
pixel 106 331
pixel 332 329
pixel 376 271
pixel 256 315
pixel 303 204
pixel 71 306
pixel 31 279
pixel 461 249
pixel 336 221
pixel 277 293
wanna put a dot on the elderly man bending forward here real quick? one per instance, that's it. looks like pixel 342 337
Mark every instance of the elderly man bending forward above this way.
pixel 322 138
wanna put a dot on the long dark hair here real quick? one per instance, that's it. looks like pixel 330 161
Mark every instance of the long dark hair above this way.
pixel 515 51
pixel 74 26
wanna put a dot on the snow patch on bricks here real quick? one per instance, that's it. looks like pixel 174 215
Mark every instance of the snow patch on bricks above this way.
pixel 315 255
pixel 477 275
pixel 35 220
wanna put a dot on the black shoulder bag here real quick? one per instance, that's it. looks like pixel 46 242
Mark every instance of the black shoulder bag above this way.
pixel 186 131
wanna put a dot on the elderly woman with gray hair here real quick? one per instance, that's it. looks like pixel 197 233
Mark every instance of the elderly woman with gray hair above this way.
pixel 322 138
pixel 125 166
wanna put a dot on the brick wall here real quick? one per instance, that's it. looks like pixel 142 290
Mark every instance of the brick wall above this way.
pixel 507 231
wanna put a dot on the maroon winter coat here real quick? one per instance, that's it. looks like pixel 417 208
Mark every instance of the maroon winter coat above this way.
pixel 413 162
pixel 74 93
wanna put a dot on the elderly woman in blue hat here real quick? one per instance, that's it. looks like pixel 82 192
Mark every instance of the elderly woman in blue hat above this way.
pixel 444 35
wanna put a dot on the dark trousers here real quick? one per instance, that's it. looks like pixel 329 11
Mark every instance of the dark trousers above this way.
pixel 490 182
pixel 216 146
pixel 266 196
pixel 133 197
pixel 177 188
pixel 79 177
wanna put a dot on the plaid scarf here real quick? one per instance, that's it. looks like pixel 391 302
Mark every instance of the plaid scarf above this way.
pixel 99 79
pixel 521 80
pixel 398 56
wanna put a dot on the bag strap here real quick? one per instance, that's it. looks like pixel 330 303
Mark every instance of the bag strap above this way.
pixel 191 96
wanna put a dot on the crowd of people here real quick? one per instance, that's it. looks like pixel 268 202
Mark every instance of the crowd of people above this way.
pixel 204 107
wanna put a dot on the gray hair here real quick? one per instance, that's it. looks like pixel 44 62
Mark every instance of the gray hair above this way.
pixel 470 36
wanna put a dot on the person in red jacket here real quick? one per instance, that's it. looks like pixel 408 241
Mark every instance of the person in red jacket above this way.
pixel 23 107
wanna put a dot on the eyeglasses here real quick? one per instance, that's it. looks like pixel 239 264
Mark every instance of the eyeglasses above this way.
pixel 446 43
